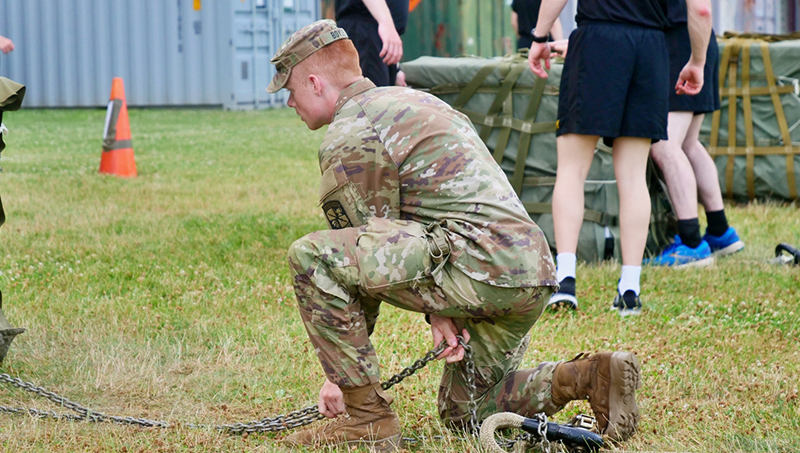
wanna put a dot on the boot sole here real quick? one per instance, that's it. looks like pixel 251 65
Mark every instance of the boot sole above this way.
pixel 389 444
pixel 623 411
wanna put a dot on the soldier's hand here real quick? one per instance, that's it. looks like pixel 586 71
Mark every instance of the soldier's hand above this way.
pixel 6 45
pixel 560 47
pixel 539 52
pixel 392 50
pixel 443 328
pixel 331 400
pixel 690 81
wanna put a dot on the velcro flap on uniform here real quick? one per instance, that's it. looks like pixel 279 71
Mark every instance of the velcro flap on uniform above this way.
pixel 332 178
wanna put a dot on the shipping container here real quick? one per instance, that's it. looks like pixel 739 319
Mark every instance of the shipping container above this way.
pixel 169 52
pixel 759 16
pixel 450 28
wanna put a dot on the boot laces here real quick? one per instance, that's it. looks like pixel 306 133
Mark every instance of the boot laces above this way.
pixel 336 422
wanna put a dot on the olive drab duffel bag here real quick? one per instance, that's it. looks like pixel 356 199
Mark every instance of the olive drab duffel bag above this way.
pixel 755 137
pixel 514 112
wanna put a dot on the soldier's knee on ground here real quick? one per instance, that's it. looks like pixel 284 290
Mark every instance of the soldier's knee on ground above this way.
pixel 302 253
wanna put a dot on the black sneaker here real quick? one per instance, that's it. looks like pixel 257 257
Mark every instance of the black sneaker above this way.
pixel 628 304
pixel 565 297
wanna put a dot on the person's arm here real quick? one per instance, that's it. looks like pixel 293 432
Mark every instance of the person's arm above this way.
pixel 548 13
pixel 6 45
pixel 690 80
pixel 392 50
pixel 557 32
pixel 515 22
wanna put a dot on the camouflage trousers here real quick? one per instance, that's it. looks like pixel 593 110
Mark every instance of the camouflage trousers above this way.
pixel 342 276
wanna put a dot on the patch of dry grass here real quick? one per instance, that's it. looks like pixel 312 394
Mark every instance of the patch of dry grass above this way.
pixel 167 297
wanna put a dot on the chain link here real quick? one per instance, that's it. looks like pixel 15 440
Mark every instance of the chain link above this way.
pixel 544 442
pixel 472 405
pixel 291 420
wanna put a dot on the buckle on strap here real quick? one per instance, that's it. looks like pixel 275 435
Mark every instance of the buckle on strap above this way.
pixel 439 245
pixel 440 248
pixel 583 421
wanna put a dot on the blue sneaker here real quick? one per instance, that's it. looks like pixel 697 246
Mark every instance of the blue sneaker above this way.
pixel 726 244
pixel 679 254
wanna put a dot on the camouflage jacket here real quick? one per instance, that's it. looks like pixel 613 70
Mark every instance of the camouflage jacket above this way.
pixel 403 154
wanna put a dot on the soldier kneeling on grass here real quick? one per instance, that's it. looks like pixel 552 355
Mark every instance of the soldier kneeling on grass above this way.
pixel 424 219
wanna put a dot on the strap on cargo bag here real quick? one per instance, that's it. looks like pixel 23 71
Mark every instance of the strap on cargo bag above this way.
pixel 729 67
pixel 784 126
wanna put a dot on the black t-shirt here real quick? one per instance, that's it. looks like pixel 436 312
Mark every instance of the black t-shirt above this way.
pixel 398 9
pixel 527 15
pixel 677 13
pixel 645 13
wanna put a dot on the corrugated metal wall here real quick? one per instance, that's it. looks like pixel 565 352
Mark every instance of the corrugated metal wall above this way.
pixel 169 52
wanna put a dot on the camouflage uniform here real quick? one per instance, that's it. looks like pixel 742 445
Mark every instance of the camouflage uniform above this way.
pixel 424 219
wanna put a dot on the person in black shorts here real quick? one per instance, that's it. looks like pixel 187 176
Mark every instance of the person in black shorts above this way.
pixel 615 85
pixel 375 27
pixel 523 18
pixel 685 163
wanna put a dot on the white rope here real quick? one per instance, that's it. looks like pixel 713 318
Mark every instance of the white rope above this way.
pixel 495 422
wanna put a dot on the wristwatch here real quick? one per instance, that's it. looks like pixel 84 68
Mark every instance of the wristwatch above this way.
pixel 539 39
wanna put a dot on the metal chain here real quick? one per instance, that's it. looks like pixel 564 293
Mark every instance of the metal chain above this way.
pixel 543 441
pixel 291 420
pixel 82 412
pixel 472 405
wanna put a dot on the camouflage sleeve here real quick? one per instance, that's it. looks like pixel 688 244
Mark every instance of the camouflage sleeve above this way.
pixel 353 141
pixel 371 308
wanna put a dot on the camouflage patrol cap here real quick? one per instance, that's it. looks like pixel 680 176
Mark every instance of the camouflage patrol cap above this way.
pixel 299 46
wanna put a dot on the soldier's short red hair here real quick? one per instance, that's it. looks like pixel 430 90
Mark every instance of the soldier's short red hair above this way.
pixel 338 61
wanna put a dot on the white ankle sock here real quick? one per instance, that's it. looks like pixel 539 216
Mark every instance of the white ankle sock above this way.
pixel 629 279
pixel 566 265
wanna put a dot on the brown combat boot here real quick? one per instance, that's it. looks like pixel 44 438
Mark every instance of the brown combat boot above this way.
pixel 609 381
pixel 368 421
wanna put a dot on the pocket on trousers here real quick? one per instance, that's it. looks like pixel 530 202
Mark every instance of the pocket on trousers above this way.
pixel 393 255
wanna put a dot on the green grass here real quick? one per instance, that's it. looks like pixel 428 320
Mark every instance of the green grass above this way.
pixel 167 297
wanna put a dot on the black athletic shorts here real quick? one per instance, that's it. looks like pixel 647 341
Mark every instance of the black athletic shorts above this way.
pixel 614 82
pixel 680 49
pixel 364 34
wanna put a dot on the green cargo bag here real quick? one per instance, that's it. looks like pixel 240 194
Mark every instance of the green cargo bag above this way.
pixel 755 137
pixel 514 113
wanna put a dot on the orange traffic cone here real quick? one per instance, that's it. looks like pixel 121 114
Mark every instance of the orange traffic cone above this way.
pixel 117 156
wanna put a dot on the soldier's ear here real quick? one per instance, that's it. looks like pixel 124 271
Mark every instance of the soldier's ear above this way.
pixel 317 84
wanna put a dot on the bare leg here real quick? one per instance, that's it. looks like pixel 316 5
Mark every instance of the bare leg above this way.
pixel 575 154
pixel 676 167
pixel 630 167
pixel 705 171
